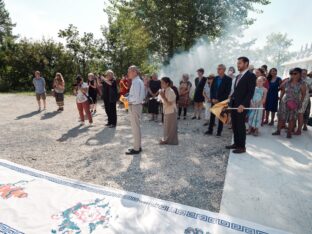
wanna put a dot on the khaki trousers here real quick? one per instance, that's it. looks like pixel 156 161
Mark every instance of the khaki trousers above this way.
pixel 135 112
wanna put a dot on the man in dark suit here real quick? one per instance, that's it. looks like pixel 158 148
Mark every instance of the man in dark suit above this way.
pixel 220 91
pixel 244 87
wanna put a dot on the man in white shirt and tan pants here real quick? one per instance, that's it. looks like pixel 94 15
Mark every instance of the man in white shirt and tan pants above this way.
pixel 135 99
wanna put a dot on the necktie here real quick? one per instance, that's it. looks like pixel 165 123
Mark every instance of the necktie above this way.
pixel 238 79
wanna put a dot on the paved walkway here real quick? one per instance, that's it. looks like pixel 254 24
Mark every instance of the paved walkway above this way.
pixel 272 183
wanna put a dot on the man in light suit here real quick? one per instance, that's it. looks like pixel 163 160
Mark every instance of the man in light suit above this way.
pixel 136 99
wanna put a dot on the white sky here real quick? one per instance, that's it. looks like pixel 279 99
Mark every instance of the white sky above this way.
pixel 43 18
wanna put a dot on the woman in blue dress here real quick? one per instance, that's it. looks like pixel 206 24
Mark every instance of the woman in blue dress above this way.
pixel 272 97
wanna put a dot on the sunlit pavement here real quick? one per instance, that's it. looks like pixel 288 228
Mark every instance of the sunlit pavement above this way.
pixel 272 184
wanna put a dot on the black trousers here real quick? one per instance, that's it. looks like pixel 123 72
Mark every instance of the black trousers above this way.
pixel 239 128
pixel 212 122
pixel 184 110
pixel 153 107
pixel 111 112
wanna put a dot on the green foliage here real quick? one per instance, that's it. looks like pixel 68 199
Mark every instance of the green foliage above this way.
pixel 175 25
pixel 6 24
pixel 146 33
pixel 26 57
pixel 127 41
pixel 86 50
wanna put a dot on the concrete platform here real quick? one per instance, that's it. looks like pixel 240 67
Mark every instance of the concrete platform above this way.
pixel 272 183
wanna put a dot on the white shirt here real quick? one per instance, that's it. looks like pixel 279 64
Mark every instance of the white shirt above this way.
pixel 233 85
pixel 207 90
pixel 137 92
pixel 171 98
pixel 81 97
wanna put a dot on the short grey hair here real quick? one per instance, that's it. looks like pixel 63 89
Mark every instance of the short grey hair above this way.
pixel 186 76
pixel 222 66
pixel 109 73
pixel 134 68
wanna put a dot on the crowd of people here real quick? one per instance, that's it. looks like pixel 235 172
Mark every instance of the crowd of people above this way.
pixel 257 96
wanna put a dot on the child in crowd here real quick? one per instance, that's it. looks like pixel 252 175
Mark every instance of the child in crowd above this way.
pixel 206 94
pixel 258 100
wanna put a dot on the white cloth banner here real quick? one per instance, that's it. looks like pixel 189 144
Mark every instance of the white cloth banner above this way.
pixel 37 202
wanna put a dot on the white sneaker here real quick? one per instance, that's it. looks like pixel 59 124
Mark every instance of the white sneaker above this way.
pixel 82 123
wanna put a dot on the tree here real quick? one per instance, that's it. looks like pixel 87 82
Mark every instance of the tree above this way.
pixel 6 40
pixel 276 50
pixel 6 25
pixel 127 40
pixel 175 25
pixel 83 48
pixel 26 57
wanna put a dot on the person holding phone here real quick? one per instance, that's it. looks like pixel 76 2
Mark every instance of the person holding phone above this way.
pixel 168 98
pixel 110 98
pixel 82 101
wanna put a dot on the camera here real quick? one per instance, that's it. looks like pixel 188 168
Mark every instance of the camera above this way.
pixel 78 81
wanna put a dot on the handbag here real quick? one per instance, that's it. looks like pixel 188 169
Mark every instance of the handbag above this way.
pixel 292 105
pixel 90 100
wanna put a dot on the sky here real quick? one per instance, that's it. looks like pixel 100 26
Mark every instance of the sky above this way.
pixel 44 18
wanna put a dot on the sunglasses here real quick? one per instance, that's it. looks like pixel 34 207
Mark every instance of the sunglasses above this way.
pixel 294 73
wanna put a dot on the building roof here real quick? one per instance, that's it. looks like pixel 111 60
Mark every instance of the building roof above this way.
pixel 299 61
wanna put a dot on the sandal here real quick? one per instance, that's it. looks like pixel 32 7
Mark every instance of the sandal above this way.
pixel 277 133
pixel 297 133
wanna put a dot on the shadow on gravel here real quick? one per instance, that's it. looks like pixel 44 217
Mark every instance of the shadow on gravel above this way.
pixel 198 188
pixel 26 116
pixel 72 133
pixel 103 137
pixel 133 179
pixel 49 115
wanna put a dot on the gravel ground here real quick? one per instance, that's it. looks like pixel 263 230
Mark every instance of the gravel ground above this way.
pixel 192 173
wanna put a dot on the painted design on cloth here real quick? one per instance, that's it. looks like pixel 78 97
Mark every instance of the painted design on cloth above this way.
pixel 8 230
pixel 13 190
pixel 84 217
